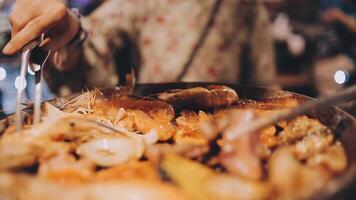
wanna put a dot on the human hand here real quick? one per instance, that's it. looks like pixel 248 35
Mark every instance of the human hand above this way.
pixel 31 18
pixel 332 15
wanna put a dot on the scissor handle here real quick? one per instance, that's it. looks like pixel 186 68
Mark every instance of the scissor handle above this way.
pixel 31 45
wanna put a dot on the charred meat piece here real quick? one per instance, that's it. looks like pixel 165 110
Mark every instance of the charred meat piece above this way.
pixel 200 98
pixel 138 120
pixel 155 108
pixel 189 127
pixel 138 115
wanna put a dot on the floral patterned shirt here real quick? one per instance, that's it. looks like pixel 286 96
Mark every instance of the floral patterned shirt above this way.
pixel 167 41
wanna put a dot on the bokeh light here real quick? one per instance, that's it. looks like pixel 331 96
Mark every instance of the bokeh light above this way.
pixel 2 73
pixel 17 83
pixel 340 77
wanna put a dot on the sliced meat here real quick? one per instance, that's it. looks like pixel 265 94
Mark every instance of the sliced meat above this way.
pixel 200 98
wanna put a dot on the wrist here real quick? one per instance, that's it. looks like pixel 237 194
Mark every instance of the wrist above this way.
pixel 74 25
pixel 81 34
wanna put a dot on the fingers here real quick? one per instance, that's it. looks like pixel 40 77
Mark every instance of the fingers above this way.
pixel 21 15
pixel 32 29
pixel 29 22
pixel 19 22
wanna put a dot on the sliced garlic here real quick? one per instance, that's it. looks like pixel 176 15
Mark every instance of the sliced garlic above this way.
pixel 151 137
pixel 112 151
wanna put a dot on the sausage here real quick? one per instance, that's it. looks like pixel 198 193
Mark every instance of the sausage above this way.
pixel 200 98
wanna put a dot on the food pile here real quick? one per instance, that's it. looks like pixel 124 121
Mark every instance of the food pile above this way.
pixel 180 144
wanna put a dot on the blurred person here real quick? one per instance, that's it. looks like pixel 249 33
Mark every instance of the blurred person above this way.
pixel 84 6
pixel 292 22
pixel 282 24
pixel 337 48
pixel 342 17
pixel 165 40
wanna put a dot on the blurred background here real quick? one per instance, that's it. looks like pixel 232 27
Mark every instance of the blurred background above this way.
pixel 315 47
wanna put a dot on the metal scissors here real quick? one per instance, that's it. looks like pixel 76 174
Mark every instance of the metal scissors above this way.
pixel 35 58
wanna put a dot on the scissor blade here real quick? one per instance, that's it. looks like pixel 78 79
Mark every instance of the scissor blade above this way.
pixel 39 58
pixel 38 97
pixel 24 63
